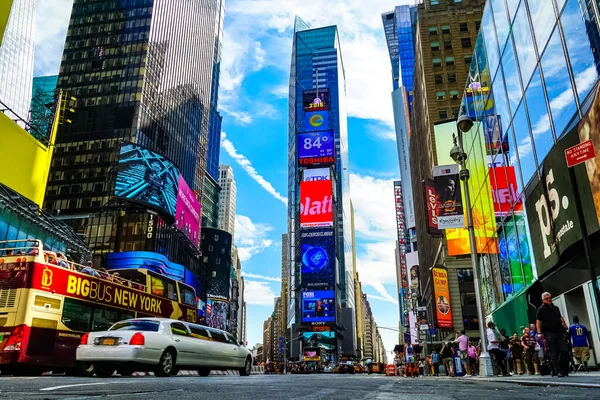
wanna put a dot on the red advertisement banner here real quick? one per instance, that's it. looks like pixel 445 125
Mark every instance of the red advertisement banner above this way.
pixel 503 181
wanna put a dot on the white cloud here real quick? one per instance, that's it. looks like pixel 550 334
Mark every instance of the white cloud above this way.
pixel 281 91
pixel 376 266
pixel 373 201
pixel 386 299
pixel 250 238
pixel 52 21
pixel 259 293
pixel 241 117
pixel 258 276
pixel 247 166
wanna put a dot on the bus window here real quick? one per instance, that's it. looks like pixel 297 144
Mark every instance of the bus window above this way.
pixel 104 317
pixel 158 286
pixel 187 295
pixel 76 315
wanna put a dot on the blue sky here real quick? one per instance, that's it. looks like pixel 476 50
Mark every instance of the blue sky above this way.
pixel 253 100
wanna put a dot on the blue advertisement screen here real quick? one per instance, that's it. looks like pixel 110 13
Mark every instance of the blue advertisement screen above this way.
pixel 146 177
pixel 318 307
pixel 316 144
pixel 316 120
pixel 317 259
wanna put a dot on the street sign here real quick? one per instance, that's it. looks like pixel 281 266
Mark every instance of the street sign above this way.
pixel 580 153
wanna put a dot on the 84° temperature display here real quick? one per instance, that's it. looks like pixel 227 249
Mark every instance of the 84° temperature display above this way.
pixel 316 145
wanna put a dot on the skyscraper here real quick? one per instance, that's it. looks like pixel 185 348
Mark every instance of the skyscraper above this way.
pixel 227 199
pixel 16 59
pixel 318 116
pixel 139 98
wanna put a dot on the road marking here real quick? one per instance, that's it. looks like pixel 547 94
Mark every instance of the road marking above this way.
pixel 83 384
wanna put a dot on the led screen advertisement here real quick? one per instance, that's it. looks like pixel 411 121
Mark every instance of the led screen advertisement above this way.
pixel 147 177
pixel 216 314
pixel 442 297
pixel 316 121
pixel 323 340
pixel 187 216
pixel 315 99
pixel 516 269
pixel 317 259
pixel 318 307
pixel 316 148
pixel 450 212
pixel 503 181
pixel 316 204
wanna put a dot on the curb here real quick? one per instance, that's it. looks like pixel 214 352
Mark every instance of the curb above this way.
pixel 536 383
pixel 190 373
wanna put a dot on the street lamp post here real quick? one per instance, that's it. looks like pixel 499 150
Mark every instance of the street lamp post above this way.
pixel 457 153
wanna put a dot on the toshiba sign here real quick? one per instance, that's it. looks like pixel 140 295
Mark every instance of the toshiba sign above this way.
pixel 316 204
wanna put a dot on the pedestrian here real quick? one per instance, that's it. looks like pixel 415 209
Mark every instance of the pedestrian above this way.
pixel 551 326
pixel 582 342
pixel 531 354
pixel 435 361
pixel 463 348
pixel 421 367
pixel 428 365
pixel 516 350
pixel 505 347
pixel 473 364
pixel 498 355
pixel 410 360
pixel 447 353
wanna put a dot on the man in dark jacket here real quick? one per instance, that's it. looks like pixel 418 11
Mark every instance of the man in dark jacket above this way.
pixel 552 326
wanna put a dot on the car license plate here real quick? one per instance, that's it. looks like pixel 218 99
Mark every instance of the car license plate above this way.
pixel 108 342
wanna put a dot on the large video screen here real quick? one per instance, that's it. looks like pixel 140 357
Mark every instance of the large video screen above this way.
pixel 316 148
pixel 315 100
pixel 318 259
pixel 187 217
pixel 316 204
pixel 147 177
pixel 318 307
pixel 324 340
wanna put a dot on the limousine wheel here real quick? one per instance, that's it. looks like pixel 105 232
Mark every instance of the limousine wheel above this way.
pixel 166 365
pixel 204 372
pixel 84 369
pixel 247 368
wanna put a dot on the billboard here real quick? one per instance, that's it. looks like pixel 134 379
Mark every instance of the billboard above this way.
pixel 317 259
pixel 315 99
pixel 494 137
pixel 316 204
pixel 187 211
pixel 316 121
pixel 516 269
pixel 311 354
pixel 450 212
pixel 431 206
pixel 316 174
pixel 505 191
pixel 147 177
pixel 442 297
pixel 318 307
pixel 217 318
pixel 323 340
pixel 316 148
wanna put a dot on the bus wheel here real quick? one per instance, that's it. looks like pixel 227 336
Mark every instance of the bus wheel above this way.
pixel 104 371
pixel 84 369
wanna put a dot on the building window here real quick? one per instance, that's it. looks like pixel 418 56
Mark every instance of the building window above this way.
pixel 443 114
pixel 458 1
pixel 449 60
pixel 468 299
pixel 455 112
pixel 435 2
pixel 435 46
pixel 477 25
pixel 468 60
pixel 470 323
pixel 210 247
pixel 466 42
pixel 440 95
pixel 464 275
pixel 452 77
pixel 445 29
pixel 439 78
pixel 218 261
pixel 437 62
pixel 464 27
pixel 448 44
pixel 433 30
pixel 454 94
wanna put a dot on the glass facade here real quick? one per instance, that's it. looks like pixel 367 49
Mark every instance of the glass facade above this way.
pixel 42 99
pixel 16 59
pixel 532 78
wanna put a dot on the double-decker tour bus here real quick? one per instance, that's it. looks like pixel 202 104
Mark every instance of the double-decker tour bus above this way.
pixel 48 302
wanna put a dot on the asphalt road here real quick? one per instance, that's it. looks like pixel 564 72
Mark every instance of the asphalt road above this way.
pixel 318 386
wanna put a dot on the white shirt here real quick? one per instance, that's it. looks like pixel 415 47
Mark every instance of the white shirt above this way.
pixel 491 336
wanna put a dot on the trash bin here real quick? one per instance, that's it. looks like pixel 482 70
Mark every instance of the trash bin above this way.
pixel 458 367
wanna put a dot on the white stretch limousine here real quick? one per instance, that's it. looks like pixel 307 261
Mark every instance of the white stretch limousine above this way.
pixel 163 346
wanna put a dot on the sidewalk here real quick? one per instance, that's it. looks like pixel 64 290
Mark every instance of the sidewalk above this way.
pixel 579 379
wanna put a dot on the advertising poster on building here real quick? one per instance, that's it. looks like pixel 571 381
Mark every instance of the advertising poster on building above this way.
pixel 318 307
pixel 412 294
pixel 188 212
pixel 316 204
pixel 311 354
pixel 316 148
pixel 516 269
pixel 323 340
pixel 146 177
pixel 217 318
pixel 450 212
pixel 505 192
pixel 316 174
pixel 315 99
pixel 317 259
pixel 316 121
pixel 431 206
pixel 442 297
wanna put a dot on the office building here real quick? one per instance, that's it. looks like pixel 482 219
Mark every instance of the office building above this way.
pixel 317 112
pixel 445 36
pixel 267 345
pixel 138 98
pixel 227 199
pixel 533 93
pixel 16 61
pixel 210 202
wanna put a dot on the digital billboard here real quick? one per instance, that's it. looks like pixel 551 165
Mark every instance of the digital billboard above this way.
pixel 147 177
pixel 316 148
pixel 315 99
pixel 318 307
pixel 316 121
pixel 505 191
pixel 316 204
pixel 323 340
pixel 216 314
pixel 450 212
pixel 317 259
pixel 316 174
pixel 188 211
pixel 516 269
pixel 442 297
pixel 310 354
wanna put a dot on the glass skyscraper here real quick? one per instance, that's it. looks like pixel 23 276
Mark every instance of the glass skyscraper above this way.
pixel 42 96
pixel 16 60
pixel 317 64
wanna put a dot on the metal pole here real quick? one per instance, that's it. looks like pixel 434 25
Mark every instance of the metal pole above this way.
pixel 586 240
pixel 485 362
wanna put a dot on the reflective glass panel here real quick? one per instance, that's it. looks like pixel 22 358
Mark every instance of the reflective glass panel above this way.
pixel 560 4
pixel 501 22
pixel 508 156
pixel 558 85
pixel 489 37
pixel 524 45
pixel 538 115
pixel 511 77
pixel 543 20
pixel 523 141
pixel 512 7
pixel 577 37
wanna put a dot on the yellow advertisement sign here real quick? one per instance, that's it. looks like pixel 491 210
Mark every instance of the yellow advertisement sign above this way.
pixel 4 13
